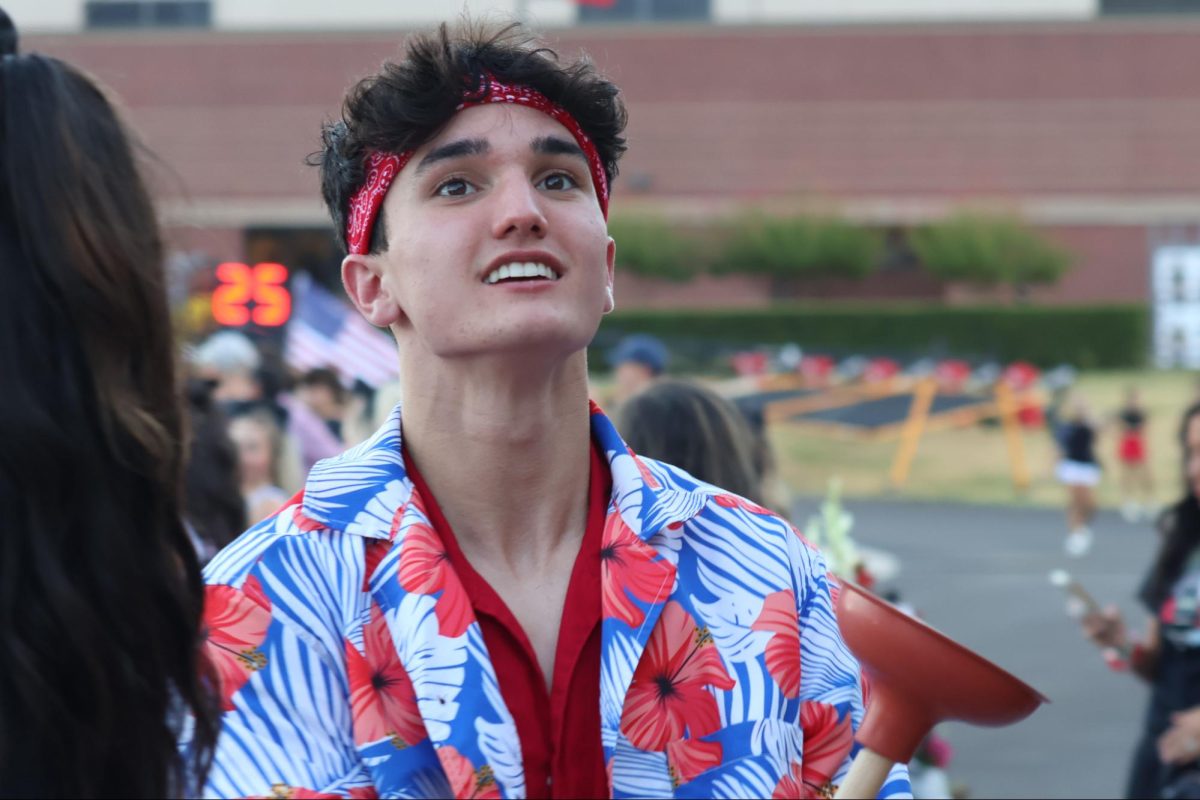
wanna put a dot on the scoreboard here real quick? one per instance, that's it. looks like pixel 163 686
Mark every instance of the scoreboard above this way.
pixel 248 294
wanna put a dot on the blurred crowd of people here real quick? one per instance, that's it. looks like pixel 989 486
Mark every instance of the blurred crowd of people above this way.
pixel 259 428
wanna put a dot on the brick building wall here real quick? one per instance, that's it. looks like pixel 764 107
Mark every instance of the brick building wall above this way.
pixel 1090 129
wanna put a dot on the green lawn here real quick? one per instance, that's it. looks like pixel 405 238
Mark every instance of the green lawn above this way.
pixel 971 465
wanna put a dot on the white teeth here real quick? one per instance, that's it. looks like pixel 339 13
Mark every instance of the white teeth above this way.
pixel 525 269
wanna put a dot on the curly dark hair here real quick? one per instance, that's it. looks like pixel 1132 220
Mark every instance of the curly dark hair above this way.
pixel 407 102
pixel 101 648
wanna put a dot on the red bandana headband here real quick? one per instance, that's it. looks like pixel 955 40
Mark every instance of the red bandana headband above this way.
pixel 382 168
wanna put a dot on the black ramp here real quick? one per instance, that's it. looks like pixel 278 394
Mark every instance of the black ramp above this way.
pixel 752 404
pixel 884 411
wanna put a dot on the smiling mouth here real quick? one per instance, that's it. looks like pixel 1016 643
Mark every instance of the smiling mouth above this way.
pixel 521 271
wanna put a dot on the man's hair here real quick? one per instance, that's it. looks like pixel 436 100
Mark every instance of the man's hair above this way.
pixel 406 103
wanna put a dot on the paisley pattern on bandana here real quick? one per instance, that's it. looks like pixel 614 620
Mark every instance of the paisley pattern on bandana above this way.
pixel 382 168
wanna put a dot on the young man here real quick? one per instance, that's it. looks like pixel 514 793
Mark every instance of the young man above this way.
pixel 493 597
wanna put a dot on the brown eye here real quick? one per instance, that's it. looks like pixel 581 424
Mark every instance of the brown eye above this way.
pixel 558 182
pixel 455 187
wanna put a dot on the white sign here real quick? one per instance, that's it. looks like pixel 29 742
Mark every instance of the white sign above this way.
pixel 1175 286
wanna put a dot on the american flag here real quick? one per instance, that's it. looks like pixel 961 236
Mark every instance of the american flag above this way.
pixel 324 331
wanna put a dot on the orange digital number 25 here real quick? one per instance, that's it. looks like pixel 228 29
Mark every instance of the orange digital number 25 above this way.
pixel 263 284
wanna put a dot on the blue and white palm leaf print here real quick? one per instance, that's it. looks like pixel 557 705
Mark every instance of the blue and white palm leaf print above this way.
pixel 437 665
pixel 638 773
pixel 619 660
pixel 749 779
pixel 498 739
pixel 282 732
pixel 718 558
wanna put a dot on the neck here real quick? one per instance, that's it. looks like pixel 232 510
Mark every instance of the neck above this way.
pixel 503 448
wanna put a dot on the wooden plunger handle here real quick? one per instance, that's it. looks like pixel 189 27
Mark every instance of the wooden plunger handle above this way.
pixel 867 773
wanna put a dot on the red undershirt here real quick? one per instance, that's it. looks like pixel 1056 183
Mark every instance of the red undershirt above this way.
pixel 559 729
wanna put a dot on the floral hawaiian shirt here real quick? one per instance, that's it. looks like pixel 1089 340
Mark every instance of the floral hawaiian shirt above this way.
pixel 351 664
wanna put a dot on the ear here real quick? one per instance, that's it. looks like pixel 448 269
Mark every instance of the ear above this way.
pixel 611 258
pixel 363 278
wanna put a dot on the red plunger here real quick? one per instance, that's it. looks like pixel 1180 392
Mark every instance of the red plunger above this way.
pixel 918 678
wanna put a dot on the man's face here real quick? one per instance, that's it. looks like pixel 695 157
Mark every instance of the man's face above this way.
pixel 501 186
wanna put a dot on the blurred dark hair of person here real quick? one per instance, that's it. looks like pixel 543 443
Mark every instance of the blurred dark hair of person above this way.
pixel 213 506
pixel 358 420
pixel 691 427
pixel 101 660
pixel 776 495
pixel 321 390
pixel 8 35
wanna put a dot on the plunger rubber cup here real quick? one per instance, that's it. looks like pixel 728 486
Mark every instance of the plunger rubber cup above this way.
pixel 918 678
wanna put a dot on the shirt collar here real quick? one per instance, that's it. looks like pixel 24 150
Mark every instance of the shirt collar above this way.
pixel 359 491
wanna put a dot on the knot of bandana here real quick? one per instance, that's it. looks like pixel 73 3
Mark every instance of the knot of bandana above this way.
pixel 382 168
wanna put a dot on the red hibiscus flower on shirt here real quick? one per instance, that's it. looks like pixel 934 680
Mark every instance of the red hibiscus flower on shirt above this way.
pixel 425 569
pixel 382 698
pixel 373 554
pixel 780 618
pixel 687 758
pixel 628 567
pixel 669 695
pixel 281 791
pixel 465 780
pixel 827 743
pixel 791 786
pixel 733 501
pixel 235 623
pixel 643 470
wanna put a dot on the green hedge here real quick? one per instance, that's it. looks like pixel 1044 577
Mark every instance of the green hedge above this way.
pixel 988 250
pixel 1087 337
pixel 798 247
pixel 650 247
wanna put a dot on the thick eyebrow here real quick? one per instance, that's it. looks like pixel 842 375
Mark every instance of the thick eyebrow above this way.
pixel 556 146
pixel 455 149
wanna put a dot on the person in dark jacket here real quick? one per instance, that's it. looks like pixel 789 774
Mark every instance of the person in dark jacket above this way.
pixel 1166 761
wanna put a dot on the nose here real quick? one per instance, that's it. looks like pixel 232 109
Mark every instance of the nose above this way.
pixel 518 209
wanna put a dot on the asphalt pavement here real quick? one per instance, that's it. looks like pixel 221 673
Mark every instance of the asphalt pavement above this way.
pixel 980 575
